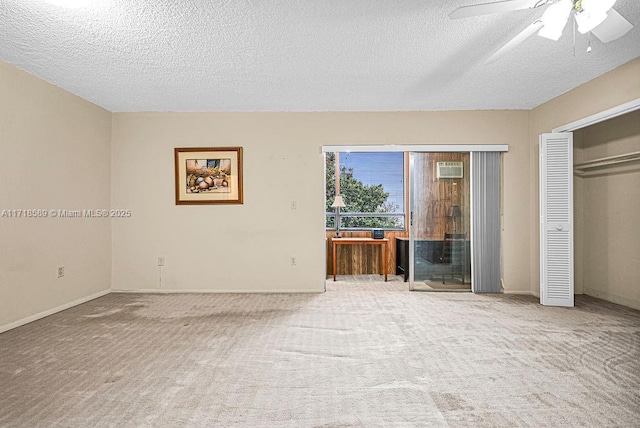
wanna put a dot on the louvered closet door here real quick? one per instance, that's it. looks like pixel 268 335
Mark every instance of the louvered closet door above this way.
pixel 556 219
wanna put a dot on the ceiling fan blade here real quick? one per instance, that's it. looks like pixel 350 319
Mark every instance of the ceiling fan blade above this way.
pixel 614 27
pixel 496 7
pixel 525 34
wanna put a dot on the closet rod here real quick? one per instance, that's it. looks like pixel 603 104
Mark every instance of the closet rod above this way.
pixel 611 160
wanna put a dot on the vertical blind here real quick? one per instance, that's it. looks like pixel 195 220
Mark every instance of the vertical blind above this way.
pixel 485 222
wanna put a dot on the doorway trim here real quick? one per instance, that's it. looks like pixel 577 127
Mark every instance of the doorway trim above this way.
pixel 616 111
pixel 419 148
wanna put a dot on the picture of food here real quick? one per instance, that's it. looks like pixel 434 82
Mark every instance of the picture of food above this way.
pixel 208 175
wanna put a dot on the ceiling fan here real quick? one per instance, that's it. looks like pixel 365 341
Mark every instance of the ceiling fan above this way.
pixel 590 16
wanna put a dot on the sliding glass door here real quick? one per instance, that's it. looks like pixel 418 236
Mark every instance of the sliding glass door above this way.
pixel 440 216
pixel 454 205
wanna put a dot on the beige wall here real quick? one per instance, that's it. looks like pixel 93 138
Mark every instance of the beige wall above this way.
pixel 54 154
pixel 607 91
pixel 71 154
pixel 610 212
pixel 247 247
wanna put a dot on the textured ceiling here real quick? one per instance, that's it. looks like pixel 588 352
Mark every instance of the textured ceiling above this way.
pixel 299 55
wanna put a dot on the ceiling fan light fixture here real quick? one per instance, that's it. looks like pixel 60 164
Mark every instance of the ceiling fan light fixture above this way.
pixel 555 19
pixel 597 6
pixel 592 14
pixel 587 21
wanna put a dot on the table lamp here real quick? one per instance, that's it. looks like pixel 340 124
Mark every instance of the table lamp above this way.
pixel 337 204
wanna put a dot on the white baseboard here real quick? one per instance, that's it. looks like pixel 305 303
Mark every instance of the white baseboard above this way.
pixel 186 291
pixel 52 311
pixel 613 298
pixel 523 293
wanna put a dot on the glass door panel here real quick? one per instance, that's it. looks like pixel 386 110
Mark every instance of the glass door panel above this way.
pixel 440 221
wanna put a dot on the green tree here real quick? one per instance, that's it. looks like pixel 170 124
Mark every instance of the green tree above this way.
pixel 358 198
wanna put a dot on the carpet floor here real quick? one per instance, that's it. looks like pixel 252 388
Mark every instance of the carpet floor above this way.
pixel 362 354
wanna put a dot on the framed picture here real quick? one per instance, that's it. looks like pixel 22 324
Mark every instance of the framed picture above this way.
pixel 208 175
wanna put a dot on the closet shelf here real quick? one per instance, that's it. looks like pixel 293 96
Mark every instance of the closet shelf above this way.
pixel 604 162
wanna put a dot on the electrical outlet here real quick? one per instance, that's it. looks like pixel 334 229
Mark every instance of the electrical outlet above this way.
pixel 293 261
pixel 60 271
pixel 160 261
pixel 294 205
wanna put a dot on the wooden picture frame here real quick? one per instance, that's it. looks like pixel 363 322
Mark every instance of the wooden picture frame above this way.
pixel 208 175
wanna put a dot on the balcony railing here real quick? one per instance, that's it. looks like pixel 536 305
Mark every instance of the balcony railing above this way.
pixel 345 222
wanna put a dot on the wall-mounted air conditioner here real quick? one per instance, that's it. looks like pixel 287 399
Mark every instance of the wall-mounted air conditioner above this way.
pixel 450 170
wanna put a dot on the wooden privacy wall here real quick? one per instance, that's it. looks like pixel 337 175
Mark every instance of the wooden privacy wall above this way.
pixel 433 219
pixel 362 259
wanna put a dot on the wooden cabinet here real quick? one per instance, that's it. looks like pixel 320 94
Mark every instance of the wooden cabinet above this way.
pixel 402 257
